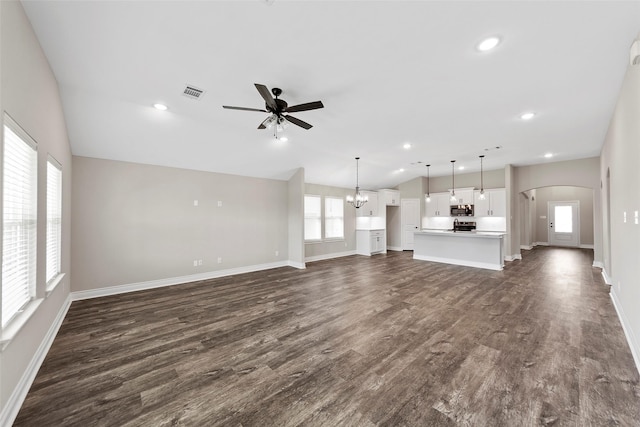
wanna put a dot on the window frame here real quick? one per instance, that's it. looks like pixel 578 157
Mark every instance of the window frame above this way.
pixel 52 278
pixel 317 218
pixel 27 222
pixel 328 217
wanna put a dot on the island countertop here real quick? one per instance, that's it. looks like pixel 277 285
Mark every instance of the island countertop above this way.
pixel 489 234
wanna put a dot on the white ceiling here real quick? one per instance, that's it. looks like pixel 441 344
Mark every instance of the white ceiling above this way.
pixel 388 72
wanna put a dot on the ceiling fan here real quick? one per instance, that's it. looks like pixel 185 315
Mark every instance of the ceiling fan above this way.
pixel 278 107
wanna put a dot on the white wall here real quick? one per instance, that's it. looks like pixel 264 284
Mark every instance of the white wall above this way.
pixel 29 94
pixel 621 158
pixel 563 194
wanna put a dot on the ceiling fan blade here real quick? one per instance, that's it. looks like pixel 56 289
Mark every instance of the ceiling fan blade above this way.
pixel 243 108
pixel 298 122
pixel 305 107
pixel 264 92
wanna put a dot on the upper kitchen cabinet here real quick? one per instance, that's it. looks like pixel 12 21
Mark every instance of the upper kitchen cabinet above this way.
pixel 464 196
pixel 390 197
pixel 371 207
pixel 494 203
pixel 438 205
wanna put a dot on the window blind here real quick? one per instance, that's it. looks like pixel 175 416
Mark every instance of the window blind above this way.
pixel 333 218
pixel 312 218
pixel 54 219
pixel 19 220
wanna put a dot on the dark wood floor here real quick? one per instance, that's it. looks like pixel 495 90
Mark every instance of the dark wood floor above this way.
pixel 354 341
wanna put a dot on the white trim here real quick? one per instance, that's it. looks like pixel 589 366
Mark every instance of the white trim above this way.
pixel 329 256
pixel 10 331
pixel 466 263
pixel 526 247
pixel 394 248
pixel 597 264
pixel 542 244
pixel 151 284
pixel 513 257
pixel 607 279
pixel 15 401
pixel 586 246
pixel 298 265
pixel 628 332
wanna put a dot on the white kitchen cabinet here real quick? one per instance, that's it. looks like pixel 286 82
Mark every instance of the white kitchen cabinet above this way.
pixel 369 242
pixel 439 205
pixel 494 203
pixel 390 197
pixel 371 207
pixel 463 197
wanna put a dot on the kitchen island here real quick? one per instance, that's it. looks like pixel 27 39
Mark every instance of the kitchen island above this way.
pixel 481 249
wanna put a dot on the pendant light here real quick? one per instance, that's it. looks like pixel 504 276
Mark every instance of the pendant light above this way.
pixel 481 179
pixel 428 197
pixel 453 181
pixel 357 200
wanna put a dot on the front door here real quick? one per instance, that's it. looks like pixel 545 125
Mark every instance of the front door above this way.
pixel 564 228
pixel 410 213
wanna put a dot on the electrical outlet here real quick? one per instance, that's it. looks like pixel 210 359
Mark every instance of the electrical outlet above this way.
pixel 219 260
pixel 219 203
pixel 277 252
pixel 195 263
pixel 624 217
pixel 195 203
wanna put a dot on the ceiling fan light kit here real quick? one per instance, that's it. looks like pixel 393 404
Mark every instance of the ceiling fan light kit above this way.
pixel 277 120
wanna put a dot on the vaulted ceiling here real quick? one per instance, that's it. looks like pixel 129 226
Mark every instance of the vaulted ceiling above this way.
pixel 388 73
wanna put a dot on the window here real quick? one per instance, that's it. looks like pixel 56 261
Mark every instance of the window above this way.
pixel 18 219
pixel 564 219
pixel 333 218
pixel 312 218
pixel 54 219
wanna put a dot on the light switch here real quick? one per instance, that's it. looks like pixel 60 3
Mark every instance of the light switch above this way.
pixel 219 203
pixel 624 217
pixel 195 203
pixel 635 217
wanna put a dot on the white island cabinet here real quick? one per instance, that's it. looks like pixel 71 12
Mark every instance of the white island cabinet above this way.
pixel 473 249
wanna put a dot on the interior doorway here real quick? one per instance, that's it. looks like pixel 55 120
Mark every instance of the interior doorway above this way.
pixel 410 213
pixel 564 223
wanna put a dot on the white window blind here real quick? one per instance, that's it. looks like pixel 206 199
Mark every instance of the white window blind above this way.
pixel 19 220
pixel 54 219
pixel 333 218
pixel 312 218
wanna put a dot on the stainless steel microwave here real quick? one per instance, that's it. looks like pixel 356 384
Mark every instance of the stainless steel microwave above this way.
pixel 461 210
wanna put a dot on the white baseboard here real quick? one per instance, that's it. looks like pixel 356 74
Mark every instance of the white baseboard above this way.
pixel 151 284
pixel 526 247
pixel 394 248
pixel 512 257
pixel 628 332
pixel 586 246
pixel 541 244
pixel 606 277
pixel 329 256
pixel 15 401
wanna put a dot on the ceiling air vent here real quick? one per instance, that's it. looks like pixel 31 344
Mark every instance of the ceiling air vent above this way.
pixel 192 92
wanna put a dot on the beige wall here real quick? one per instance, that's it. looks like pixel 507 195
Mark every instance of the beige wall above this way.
pixel 491 179
pixel 29 94
pixel 620 158
pixel 296 219
pixel 577 173
pixel 545 195
pixel 137 223
pixel 327 248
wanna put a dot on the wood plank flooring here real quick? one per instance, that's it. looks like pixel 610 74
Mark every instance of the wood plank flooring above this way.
pixel 355 341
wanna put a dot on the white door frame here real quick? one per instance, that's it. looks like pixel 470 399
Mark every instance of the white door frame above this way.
pixel 403 206
pixel 550 227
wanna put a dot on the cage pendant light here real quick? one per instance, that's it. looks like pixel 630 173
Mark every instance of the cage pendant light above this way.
pixel 453 181
pixel 357 200
pixel 428 197
pixel 481 179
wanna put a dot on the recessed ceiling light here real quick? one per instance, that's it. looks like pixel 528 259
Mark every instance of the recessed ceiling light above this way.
pixel 406 146
pixel 460 168
pixel 527 116
pixel 284 139
pixel 160 107
pixel 488 43
pixel 548 155
pixel 401 170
